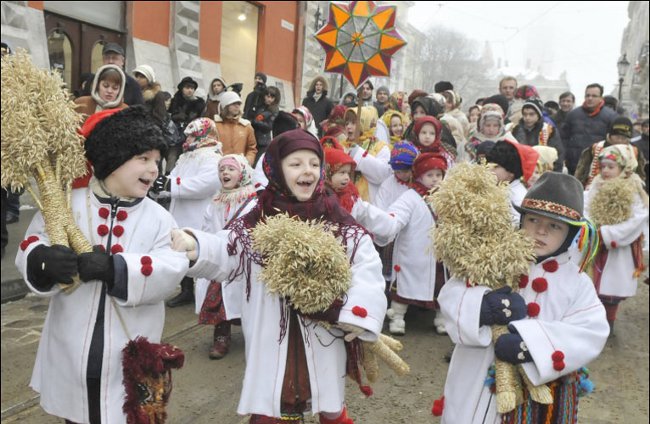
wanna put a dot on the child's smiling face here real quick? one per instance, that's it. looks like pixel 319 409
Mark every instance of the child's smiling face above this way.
pixel 301 171
pixel 230 176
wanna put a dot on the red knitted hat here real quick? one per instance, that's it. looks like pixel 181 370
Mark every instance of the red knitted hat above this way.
pixel 336 158
pixel 428 161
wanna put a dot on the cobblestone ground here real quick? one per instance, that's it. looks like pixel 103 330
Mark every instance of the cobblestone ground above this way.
pixel 207 391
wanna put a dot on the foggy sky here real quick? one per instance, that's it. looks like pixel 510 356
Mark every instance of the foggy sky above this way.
pixel 583 38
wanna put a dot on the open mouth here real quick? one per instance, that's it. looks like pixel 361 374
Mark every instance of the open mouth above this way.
pixel 145 181
pixel 226 179
pixel 305 184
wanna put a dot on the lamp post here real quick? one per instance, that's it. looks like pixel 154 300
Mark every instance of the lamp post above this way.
pixel 622 65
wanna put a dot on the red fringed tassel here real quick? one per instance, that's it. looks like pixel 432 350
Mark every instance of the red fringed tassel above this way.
pixel 366 390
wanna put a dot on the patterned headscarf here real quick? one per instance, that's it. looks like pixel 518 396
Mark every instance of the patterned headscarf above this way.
pixel 623 155
pixel 201 132
pixel 402 156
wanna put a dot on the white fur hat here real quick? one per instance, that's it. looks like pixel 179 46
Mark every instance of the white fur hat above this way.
pixel 147 71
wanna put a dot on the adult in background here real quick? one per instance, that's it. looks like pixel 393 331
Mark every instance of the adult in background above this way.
pixel 217 87
pixel 382 95
pixel 256 97
pixel 186 106
pixel 567 102
pixel 235 132
pixel 146 78
pixel 365 95
pixel 619 132
pixel 507 88
pixel 586 125
pixel 113 54
pixel 263 122
pixel 317 102
pixel 107 92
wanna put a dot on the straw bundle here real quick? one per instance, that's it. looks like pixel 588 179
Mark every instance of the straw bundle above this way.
pixel 612 202
pixel 477 242
pixel 306 264
pixel 40 140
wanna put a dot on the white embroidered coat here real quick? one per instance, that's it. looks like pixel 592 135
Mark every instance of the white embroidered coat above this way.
pixel 62 359
pixel 194 180
pixel 375 169
pixel 389 191
pixel 571 320
pixel 617 277
pixel 414 264
pixel 266 356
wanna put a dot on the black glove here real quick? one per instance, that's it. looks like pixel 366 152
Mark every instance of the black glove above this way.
pixel 501 307
pixel 96 265
pixel 512 349
pixel 161 184
pixel 49 265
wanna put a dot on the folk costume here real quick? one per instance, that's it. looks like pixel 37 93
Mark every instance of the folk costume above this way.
pixel 80 352
pixel 191 185
pixel 282 344
pixel 414 263
pixel 226 206
pixel 564 330
pixel 620 209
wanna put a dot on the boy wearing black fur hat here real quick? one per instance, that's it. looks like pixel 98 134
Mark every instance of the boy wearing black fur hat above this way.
pixel 556 322
pixel 186 106
pixel 78 370
pixel 512 162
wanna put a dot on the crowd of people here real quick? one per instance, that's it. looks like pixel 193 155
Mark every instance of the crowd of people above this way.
pixel 365 166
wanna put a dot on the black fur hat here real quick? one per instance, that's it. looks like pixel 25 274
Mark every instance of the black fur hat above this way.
pixel 505 155
pixel 284 122
pixel 121 136
pixel 442 86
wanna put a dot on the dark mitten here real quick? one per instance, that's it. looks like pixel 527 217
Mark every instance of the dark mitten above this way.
pixel 49 265
pixel 96 265
pixel 501 307
pixel 512 349
pixel 161 184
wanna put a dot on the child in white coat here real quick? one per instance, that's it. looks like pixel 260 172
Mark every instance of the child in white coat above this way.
pixel 293 364
pixel 78 370
pixel 556 322
pixel 619 262
pixel 236 198
pixel 415 273
pixel 191 185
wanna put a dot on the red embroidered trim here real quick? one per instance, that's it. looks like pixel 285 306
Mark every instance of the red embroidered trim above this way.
pixel 551 207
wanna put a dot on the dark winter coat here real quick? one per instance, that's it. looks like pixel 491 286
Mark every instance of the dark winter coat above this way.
pixel 581 131
pixel 263 124
pixel 530 137
pixel 320 109
pixel 132 92
pixel 254 102
pixel 184 111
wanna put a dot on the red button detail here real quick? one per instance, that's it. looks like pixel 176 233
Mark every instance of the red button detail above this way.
pixel 551 266
pixel 557 356
pixel 118 230
pixel 101 247
pixel 102 230
pixel 145 260
pixel 103 213
pixel 359 311
pixel 178 180
pixel 558 366
pixel 533 309
pixel 117 248
pixel 540 285
pixel 397 268
pixel 614 245
pixel 25 243
pixel 364 154
pixel 122 215
pixel 258 185
pixel 146 270
pixel 523 281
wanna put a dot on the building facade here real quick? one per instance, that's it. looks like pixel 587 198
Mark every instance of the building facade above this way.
pixel 635 46
pixel 202 40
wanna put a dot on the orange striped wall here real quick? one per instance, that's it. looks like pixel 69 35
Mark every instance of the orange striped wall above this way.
pixel 210 33
pixel 35 4
pixel 276 48
pixel 150 21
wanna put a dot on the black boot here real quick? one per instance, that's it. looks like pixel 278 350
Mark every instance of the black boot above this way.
pixel 186 296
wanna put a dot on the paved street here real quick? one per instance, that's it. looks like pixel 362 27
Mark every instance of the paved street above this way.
pixel 207 391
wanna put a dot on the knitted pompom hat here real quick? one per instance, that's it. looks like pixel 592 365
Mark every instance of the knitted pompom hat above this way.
pixel 120 137
pixel 402 156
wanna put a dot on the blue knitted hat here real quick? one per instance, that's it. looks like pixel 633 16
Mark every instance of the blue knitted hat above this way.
pixel 402 156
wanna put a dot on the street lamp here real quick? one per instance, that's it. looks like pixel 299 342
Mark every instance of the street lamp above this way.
pixel 623 66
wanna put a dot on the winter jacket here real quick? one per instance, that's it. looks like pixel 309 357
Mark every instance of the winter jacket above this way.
pixel 551 138
pixel 237 137
pixel 263 124
pixel 132 92
pixel 184 110
pixel 320 109
pixel 581 131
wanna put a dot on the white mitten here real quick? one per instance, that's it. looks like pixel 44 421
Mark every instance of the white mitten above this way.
pixel 184 242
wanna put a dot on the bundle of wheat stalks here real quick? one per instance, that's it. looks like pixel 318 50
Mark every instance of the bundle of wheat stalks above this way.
pixel 476 241
pixel 305 264
pixel 40 140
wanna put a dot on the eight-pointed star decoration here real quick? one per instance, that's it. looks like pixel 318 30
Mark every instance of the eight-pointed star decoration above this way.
pixel 359 39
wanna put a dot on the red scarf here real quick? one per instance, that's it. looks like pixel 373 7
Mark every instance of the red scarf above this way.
pixel 347 196
pixel 595 111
